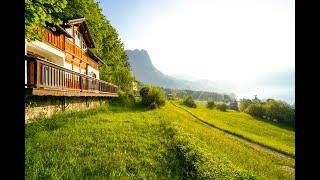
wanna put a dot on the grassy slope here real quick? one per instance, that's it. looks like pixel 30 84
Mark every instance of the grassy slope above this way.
pixel 162 144
pixel 263 132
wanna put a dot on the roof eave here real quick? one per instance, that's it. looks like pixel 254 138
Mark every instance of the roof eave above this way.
pixel 94 56
pixel 91 43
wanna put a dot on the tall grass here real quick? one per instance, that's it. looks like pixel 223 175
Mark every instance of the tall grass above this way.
pixel 112 142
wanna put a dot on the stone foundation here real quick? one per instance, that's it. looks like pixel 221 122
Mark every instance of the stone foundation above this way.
pixel 46 106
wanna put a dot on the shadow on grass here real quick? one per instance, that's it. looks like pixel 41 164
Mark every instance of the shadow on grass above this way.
pixel 284 125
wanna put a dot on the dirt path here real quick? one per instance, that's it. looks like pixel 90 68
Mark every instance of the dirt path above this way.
pixel 240 137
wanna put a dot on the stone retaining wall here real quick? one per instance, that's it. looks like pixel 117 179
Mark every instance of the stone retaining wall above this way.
pixel 46 106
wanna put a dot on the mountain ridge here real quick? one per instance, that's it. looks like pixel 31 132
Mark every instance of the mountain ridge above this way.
pixel 142 67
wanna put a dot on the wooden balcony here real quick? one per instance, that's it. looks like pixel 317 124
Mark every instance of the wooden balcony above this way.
pixel 45 78
pixel 64 44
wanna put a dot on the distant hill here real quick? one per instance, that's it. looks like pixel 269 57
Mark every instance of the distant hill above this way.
pixel 145 72
pixel 279 84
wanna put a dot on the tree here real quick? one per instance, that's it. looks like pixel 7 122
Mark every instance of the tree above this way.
pixel 152 96
pixel 256 110
pixel 210 104
pixel 222 106
pixel 40 12
pixel 244 103
pixel 280 111
pixel 188 101
pixel 256 100
pixel 122 77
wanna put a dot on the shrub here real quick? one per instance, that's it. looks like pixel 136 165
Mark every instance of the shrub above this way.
pixel 188 101
pixel 144 91
pixel 256 110
pixel 152 94
pixel 125 100
pixel 210 104
pixel 222 106
pixel 280 111
pixel 244 103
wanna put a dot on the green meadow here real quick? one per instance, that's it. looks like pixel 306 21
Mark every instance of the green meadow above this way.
pixel 112 142
pixel 264 132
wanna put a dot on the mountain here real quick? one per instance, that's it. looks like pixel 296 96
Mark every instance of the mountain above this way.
pixel 278 84
pixel 183 77
pixel 145 72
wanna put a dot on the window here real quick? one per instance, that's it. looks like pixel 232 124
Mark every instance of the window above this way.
pixel 84 46
pixel 77 38
pixel 69 30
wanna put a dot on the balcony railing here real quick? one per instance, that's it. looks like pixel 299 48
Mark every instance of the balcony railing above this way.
pixel 44 74
pixel 63 43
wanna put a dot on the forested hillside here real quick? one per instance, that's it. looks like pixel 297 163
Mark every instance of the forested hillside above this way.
pixel 200 95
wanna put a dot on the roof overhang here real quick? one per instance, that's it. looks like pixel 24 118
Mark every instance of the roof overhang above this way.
pixel 59 29
pixel 84 29
pixel 93 56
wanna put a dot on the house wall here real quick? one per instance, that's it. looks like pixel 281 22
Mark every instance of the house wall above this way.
pixel 91 69
pixel 45 106
pixel 48 52
pixel 76 68
pixel 83 71
pixel 67 65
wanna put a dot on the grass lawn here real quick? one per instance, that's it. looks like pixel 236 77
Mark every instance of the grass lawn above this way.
pixel 264 132
pixel 167 143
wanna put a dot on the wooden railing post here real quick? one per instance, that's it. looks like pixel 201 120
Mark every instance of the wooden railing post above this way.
pixel 80 82
pixel 37 73
pixel 42 73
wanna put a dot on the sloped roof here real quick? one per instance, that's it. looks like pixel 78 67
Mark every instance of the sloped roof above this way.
pixel 83 27
pixel 59 29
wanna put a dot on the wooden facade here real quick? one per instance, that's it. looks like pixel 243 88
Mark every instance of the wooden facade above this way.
pixel 47 78
pixel 74 54
pixel 43 75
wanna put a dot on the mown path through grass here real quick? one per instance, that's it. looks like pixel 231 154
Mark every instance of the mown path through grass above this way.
pixel 240 137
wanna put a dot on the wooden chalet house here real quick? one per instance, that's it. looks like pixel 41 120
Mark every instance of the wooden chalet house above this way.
pixel 62 64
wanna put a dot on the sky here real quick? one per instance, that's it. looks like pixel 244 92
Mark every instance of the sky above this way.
pixel 228 41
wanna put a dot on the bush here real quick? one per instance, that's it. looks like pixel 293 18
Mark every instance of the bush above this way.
pixel 210 104
pixel 188 101
pixel 222 106
pixel 244 103
pixel 256 110
pixel 125 100
pixel 144 91
pixel 279 111
pixel 152 94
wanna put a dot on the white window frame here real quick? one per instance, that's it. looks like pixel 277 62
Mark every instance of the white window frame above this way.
pixel 69 30
pixel 84 45
pixel 77 38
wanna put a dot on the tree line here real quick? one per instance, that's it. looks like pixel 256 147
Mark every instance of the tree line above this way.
pixel 200 95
